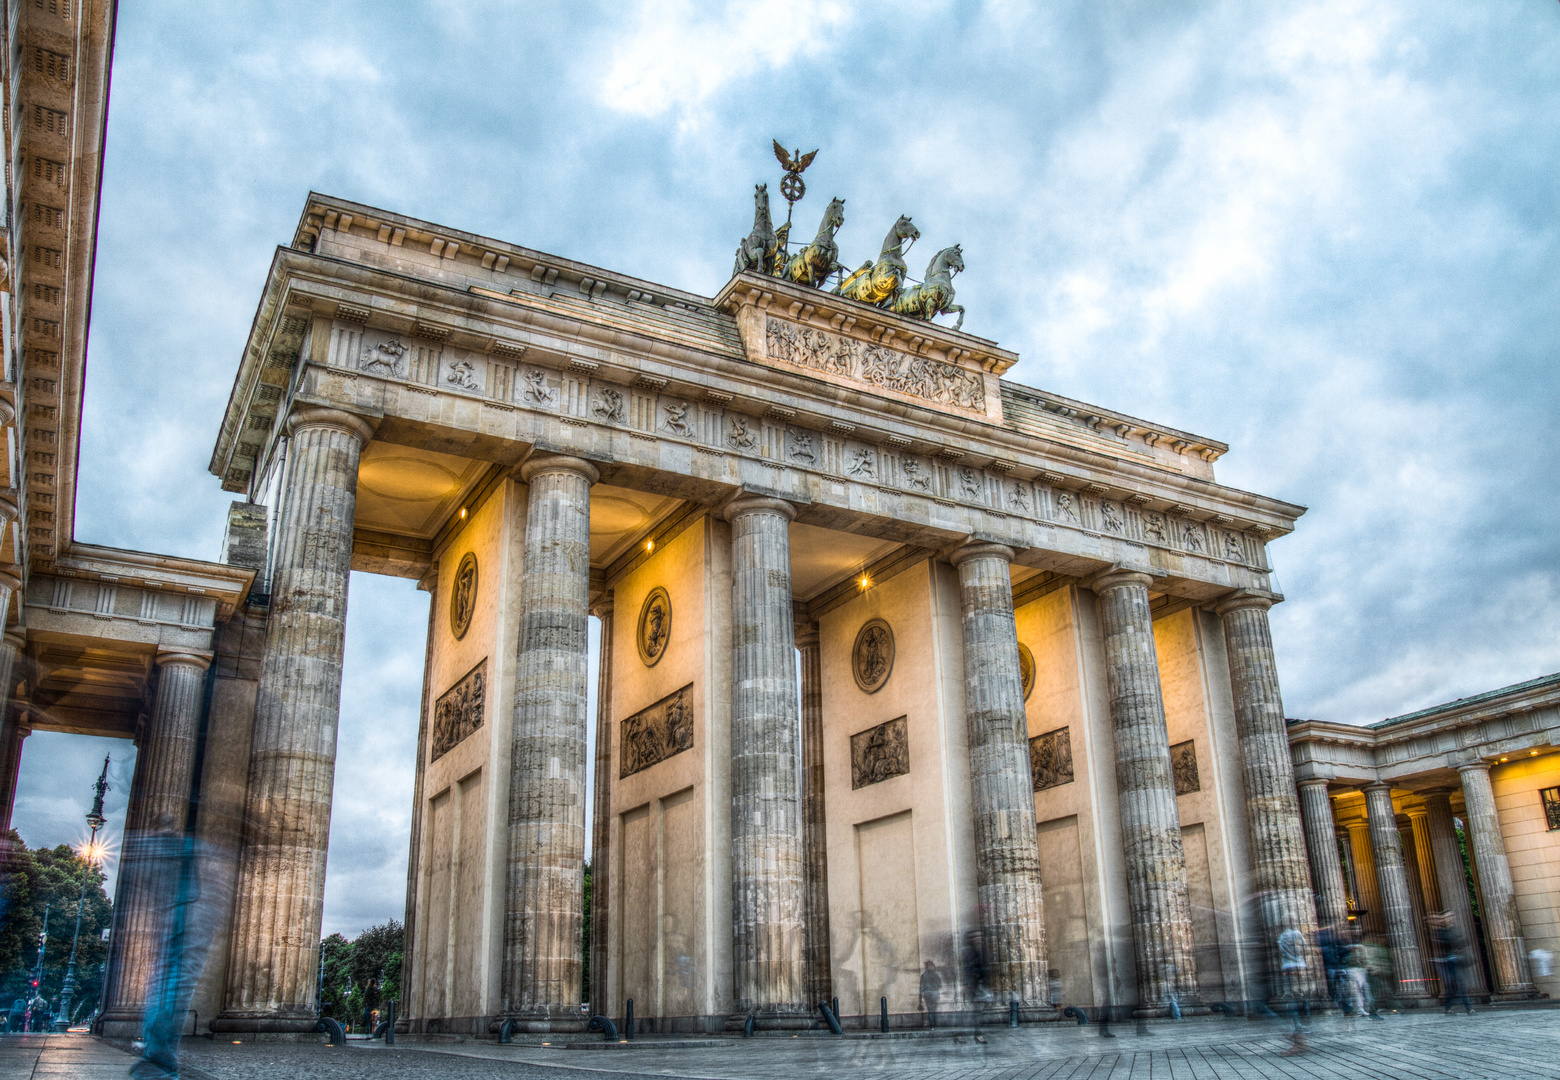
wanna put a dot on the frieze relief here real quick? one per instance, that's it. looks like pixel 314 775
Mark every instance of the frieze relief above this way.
pixel 652 735
pixel 1050 759
pixel 880 753
pixel 1183 766
pixel 876 365
pixel 459 711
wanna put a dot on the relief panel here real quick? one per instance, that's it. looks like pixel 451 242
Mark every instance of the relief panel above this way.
pixel 652 735
pixel 880 753
pixel 459 711
pixel 1050 759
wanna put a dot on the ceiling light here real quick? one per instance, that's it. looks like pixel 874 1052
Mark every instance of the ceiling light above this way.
pixel 463 513
pixel 865 583
pixel 649 546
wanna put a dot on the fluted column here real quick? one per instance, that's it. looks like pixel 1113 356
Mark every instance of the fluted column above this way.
pixel 1502 922
pixel 1321 841
pixel 1280 874
pixel 1150 820
pixel 766 811
pixel 1386 846
pixel 292 766
pixel 1452 883
pixel 12 729
pixel 542 977
pixel 150 866
pixel 815 920
pixel 1007 851
pixel 601 814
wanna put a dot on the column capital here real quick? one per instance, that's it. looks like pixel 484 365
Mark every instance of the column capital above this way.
pixel 1242 599
pixel 16 639
pixel 806 635
pixel 1119 577
pixel 1314 781
pixel 1473 766
pixel 10 577
pixel 602 606
pixel 7 410
pixel 359 427
pixel 179 657
pixel 751 503
pixel 1377 785
pixel 981 549
pixel 8 506
pixel 537 464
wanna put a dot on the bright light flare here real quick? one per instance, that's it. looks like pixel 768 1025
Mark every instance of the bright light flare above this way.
pixel 96 851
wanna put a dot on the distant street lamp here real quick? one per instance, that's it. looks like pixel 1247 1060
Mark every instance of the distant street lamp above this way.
pixel 89 856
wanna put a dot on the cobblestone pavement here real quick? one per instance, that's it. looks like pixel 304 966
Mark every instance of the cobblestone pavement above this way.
pixel 1425 1046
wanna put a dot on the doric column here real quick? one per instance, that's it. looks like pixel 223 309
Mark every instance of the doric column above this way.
pixel 815 922
pixel 292 766
pixel 1150 820
pixel 1321 839
pixel 150 866
pixel 1502 923
pixel 1280 876
pixel 1397 911
pixel 542 977
pixel 12 729
pixel 1367 898
pixel 601 814
pixel 1452 882
pixel 1007 852
pixel 766 811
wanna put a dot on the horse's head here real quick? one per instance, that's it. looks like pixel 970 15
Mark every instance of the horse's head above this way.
pixel 950 259
pixel 903 230
pixel 834 216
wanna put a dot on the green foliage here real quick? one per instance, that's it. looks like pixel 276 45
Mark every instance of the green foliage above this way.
pixel 31 880
pixel 585 939
pixel 365 971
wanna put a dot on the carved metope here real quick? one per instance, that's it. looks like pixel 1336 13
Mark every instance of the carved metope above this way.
pixel 1050 759
pixel 880 753
pixel 459 711
pixel 1183 766
pixel 652 735
pixel 655 627
pixel 872 657
pixel 918 376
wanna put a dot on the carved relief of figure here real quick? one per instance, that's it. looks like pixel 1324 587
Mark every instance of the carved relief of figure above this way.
pixel 463 597
pixel 609 405
pixel 536 389
pixel 1183 765
pixel 799 446
pixel 872 658
pixel 1154 527
pixel 677 419
pixel 738 434
pixel 1050 759
pixel 1066 509
pixel 679 723
pixel 652 735
pixel 1234 550
pixel 862 464
pixel 969 482
pixel 1192 533
pixel 459 711
pixel 915 474
pixel 1018 498
pixel 463 375
pixel 879 753
pixel 1111 517
pixel 383 359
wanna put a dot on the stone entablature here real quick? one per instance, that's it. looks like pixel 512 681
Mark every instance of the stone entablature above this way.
pixel 1514 720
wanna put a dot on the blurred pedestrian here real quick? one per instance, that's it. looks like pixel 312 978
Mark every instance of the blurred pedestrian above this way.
pixel 1449 961
pixel 931 990
pixel 1331 943
pixel 1292 968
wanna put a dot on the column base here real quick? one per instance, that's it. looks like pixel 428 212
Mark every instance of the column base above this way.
pixel 265 1023
pixel 111 1028
pixel 561 1021
pixel 1516 995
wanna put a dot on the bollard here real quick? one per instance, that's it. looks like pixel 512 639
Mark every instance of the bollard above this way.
pixel 883 1013
pixel 333 1028
pixel 390 1031
pixel 605 1025
pixel 1077 1014
pixel 1012 1014
pixel 834 1003
pixel 747 1028
pixel 506 1031
pixel 628 1019
pixel 830 1018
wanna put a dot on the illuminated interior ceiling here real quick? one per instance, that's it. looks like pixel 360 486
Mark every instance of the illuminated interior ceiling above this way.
pixel 411 492
pixel 822 557
pixel 87 689
pixel 619 517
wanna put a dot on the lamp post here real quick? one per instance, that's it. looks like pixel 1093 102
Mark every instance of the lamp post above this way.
pixel 95 820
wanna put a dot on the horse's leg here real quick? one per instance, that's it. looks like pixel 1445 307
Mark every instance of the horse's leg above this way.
pixel 950 309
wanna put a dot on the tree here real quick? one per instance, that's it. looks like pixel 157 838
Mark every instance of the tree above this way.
pixel 31 880
pixel 363 972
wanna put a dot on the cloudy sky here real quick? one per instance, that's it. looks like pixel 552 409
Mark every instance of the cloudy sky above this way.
pixel 1323 232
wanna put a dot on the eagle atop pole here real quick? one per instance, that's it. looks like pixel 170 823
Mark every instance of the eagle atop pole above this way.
pixel 791 186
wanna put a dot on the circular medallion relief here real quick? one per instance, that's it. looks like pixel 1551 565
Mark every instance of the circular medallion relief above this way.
pixel 1026 668
pixel 463 597
pixel 872 658
pixel 655 626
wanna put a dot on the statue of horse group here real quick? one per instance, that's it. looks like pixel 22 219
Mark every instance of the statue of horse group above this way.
pixel 756 253
pixel 877 282
pixel 934 296
pixel 815 262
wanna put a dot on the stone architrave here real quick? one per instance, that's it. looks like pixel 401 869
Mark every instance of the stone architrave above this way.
pixel 274 955
pixel 1386 845
pixel 768 886
pixel 815 903
pixel 601 812
pixel 1321 841
pixel 1150 820
pixel 1281 876
pixel 1498 898
pixel 1452 883
pixel 150 866
pixel 545 887
pixel 1007 852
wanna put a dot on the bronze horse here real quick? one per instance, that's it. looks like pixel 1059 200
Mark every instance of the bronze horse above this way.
pixel 875 284
pixel 935 296
pixel 757 251
pixel 815 262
